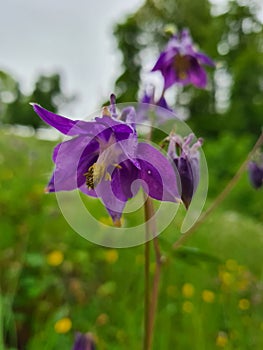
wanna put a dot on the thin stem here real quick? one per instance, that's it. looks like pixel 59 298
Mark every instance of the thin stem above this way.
pixel 146 294
pixel 151 300
pixel 155 289
pixel 221 196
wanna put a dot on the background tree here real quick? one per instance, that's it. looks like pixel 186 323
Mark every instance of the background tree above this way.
pixel 230 33
pixel 14 105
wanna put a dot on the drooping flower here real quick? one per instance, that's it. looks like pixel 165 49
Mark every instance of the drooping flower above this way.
pixel 105 160
pixel 186 158
pixel 162 110
pixel 255 171
pixel 84 342
pixel 181 63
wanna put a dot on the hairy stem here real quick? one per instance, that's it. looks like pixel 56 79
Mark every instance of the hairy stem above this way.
pixel 221 196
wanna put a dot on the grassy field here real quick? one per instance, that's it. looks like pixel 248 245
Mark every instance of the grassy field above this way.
pixel 54 282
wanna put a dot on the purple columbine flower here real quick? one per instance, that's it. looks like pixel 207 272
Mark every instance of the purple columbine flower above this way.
pixel 144 107
pixel 186 159
pixel 181 63
pixel 84 342
pixel 255 171
pixel 105 160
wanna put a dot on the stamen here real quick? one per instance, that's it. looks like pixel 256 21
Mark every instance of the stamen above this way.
pixel 95 174
pixel 181 66
pixel 106 112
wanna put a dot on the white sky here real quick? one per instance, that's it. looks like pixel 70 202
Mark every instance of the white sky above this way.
pixel 71 37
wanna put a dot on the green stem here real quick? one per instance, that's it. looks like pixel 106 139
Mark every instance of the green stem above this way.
pixel 155 289
pixel 146 294
pixel 150 299
pixel 221 196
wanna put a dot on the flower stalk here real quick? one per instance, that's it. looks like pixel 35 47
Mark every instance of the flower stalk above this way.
pixel 150 295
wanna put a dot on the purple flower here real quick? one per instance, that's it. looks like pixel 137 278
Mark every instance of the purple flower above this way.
pixel 163 111
pixel 105 160
pixel 186 160
pixel 84 342
pixel 255 171
pixel 181 63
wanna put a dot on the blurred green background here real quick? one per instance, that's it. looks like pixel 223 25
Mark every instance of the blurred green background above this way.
pixel 53 282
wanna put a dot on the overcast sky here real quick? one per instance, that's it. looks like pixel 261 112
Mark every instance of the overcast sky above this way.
pixel 71 37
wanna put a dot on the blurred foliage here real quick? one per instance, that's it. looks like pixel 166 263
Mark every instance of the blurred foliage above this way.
pixel 14 105
pixel 53 282
pixel 229 32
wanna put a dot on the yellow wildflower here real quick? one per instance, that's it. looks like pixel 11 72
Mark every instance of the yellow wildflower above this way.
pixel 63 325
pixel 188 307
pixel 102 319
pixel 55 258
pixel 188 290
pixel 227 278
pixel 208 296
pixel 244 304
pixel 231 265
pixel 222 339
pixel 111 256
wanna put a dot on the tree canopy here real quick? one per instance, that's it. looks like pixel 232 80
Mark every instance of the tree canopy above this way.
pixel 230 32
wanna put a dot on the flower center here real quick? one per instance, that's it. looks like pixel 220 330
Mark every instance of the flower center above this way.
pixel 181 66
pixel 95 174
pixel 108 157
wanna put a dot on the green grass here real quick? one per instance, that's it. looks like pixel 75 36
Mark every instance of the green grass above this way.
pixel 101 290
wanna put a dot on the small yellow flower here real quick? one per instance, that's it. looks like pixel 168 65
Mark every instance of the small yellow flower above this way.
pixel 243 284
pixel 63 325
pixel 244 304
pixel 222 339
pixel 55 258
pixel 111 256
pixel 188 290
pixel 102 319
pixel 208 296
pixel 227 278
pixel 188 307
pixel 231 265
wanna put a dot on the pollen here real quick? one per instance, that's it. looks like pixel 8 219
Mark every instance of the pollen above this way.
pixel 95 174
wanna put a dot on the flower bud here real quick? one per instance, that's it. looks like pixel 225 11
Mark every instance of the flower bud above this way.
pixel 255 172
pixel 84 342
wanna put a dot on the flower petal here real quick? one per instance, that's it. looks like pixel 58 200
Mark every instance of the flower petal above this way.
pixel 197 74
pixel 113 204
pixel 62 124
pixel 158 173
pixel 204 59
pixel 72 159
